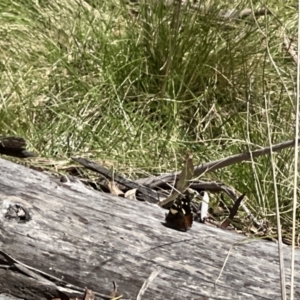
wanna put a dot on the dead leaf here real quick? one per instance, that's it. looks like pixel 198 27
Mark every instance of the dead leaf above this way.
pixel 131 194
pixel 89 294
pixel 114 190
pixel 218 210
pixel 186 175
pixel 183 183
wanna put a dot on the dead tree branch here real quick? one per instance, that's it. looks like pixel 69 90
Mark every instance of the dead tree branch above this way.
pixel 216 164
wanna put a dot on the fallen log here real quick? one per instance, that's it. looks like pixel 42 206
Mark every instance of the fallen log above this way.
pixel 58 238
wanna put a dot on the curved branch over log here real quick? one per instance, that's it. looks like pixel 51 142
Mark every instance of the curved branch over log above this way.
pixel 155 181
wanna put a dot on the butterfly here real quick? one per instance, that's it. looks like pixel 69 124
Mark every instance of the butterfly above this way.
pixel 180 216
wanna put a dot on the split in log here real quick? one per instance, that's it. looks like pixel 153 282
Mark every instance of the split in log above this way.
pixel 77 237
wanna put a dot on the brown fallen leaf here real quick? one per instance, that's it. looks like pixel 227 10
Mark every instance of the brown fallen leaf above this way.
pixel 183 183
pixel 114 190
pixel 186 175
pixel 89 294
pixel 131 194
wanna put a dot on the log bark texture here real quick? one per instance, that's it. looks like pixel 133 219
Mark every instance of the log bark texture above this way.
pixel 90 239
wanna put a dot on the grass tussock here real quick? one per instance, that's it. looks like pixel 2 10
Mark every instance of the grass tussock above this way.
pixel 140 84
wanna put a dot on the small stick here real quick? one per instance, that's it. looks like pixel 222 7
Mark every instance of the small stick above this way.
pixel 233 211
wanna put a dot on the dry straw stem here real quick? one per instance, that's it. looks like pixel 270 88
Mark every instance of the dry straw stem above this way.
pixel 280 250
pixel 295 162
pixel 147 283
pixel 247 240
pixel 290 48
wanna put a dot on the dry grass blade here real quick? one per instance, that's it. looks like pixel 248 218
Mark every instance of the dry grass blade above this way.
pixel 147 283
pixel 296 159
pixel 228 254
pixel 290 48
pixel 277 208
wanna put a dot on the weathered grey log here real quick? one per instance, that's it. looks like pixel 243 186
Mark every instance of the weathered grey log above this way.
pixel 90 239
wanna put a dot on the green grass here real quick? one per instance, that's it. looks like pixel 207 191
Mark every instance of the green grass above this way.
pixel 89 79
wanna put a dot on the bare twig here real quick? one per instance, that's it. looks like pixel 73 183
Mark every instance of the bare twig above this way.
pixel 222 163
pixel 233 211
pixel 149 194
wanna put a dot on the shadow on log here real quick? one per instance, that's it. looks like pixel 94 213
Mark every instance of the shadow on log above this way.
pixel 76 238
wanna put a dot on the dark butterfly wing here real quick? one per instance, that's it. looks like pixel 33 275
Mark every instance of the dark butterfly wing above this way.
pixel 180 215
